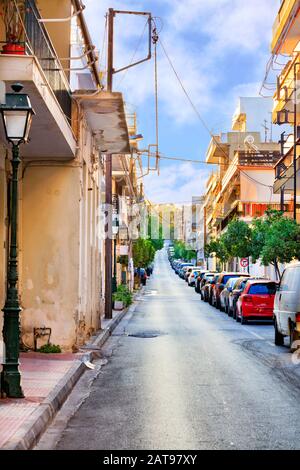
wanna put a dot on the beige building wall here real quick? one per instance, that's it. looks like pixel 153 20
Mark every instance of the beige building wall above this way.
pixel 252 191
pixel 61 253
pixel 50 245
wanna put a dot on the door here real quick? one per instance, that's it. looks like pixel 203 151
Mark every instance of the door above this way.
pixel 286 298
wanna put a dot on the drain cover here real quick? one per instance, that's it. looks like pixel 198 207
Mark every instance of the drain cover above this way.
pixel 145 334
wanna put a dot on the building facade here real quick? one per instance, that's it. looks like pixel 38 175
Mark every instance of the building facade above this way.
pixel 285 41
pixel 242 184
pixel 62 176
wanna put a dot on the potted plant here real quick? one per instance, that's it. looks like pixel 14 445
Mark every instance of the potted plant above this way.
pixel 123 260
pixel 122 298
pixel 12 19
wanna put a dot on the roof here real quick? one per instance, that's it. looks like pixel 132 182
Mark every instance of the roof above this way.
pixel 236 274
pixel 260 281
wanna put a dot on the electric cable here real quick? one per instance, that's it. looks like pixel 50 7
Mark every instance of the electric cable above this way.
pixel 133 55
pixel 199 115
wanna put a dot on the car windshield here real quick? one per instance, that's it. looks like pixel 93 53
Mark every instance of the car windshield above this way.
pixel 229 276
pixel 263 289
pixel 230 282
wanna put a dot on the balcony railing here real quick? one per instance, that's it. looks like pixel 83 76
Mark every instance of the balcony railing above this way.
pixel 283 14
pixel 39 43
pixel 261 158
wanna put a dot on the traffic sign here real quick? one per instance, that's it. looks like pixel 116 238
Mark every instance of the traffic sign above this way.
pixel 244 262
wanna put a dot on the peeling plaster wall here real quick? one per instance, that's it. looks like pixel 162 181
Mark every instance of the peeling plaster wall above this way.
pixel 61 252
pixel 50 240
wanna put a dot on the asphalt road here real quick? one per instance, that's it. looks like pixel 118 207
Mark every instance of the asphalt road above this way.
pixel 202 381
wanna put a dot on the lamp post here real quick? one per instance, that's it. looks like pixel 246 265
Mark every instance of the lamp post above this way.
pixel 115 229
pixel 17 115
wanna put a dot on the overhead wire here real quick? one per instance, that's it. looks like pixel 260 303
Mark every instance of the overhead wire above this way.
pixel 199 115
pixel 138 44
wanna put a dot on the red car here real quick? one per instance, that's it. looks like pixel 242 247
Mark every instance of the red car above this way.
pixel 256 301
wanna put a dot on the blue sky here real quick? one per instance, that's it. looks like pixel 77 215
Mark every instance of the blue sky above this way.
pixel 220 49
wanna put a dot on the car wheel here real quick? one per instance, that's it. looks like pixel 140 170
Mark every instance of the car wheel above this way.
pixel 222 309
pixel 234 314
pixel 243 319
pixel 201 295
pixel 279 338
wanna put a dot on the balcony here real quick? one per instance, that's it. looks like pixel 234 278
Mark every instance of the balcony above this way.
pixel 216 150
pixel 41 73
pixel 284 96
pixel 284 170
pixel 243 160
pixel 286 28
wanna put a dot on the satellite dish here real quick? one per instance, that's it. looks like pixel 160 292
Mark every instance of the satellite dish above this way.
pixel 249 140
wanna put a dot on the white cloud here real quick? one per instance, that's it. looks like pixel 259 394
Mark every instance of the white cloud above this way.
pixel 226 27
pixel 177 183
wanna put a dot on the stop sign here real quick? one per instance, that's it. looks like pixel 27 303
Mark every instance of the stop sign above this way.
pixel 244 262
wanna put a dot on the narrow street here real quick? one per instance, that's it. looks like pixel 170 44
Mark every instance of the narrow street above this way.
pixel 202 381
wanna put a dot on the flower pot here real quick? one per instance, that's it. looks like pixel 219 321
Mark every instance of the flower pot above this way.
pixel 118 305
pixel 12 48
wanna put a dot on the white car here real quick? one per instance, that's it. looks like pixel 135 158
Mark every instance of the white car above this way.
pixel 287 308
pixel 193 276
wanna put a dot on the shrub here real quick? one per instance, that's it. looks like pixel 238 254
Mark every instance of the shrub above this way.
pixel 50 348
pixel 123 294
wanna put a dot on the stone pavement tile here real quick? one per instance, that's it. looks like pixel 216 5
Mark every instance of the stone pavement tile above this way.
pixel 40 374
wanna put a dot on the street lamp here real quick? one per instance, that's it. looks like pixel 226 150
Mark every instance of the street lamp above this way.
pixel 17 114
pixel 115 230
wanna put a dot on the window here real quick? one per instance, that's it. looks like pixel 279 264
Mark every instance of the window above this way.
pixel 263 289
pixel 226 278
pixel 290 281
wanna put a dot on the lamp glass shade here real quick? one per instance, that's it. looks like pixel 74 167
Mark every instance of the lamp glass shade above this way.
pixel 115 229
pixel 17 124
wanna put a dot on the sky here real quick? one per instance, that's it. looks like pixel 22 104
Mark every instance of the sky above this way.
pixel 219 49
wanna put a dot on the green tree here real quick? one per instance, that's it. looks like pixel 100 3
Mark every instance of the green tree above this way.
pixel 275 239
pixel 217 247
pixel 143 252
pixel 237 239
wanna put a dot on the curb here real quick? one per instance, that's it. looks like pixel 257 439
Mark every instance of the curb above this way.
pixel 36 424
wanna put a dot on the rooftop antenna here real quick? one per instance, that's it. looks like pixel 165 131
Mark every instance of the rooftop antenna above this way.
pixel 266 130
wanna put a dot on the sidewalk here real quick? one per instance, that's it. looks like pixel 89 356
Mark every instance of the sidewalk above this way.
pixel 40 374
pixel 47 380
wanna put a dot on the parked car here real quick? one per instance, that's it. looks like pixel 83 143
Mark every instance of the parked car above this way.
pixel 193 276
pixel 198 280
pixel 190 270
pixel 181 266
pixel 256 301
pixel 211 286
pixel 234 295
pixel 224 296
pixel 220 284
pixel 182 271
pixel 203 285
pixel 287 307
